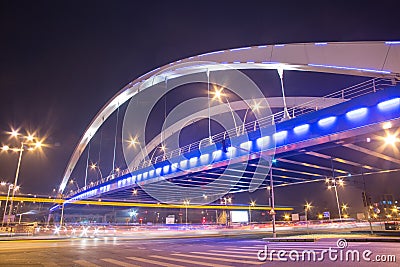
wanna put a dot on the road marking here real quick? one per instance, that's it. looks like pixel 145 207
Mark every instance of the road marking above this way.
pixel 86 263
pixel 120 263
pixel 247 249
pixel 218 259
pixel 189 261
pixel 235 252
pixel 165 264
pixel 220 254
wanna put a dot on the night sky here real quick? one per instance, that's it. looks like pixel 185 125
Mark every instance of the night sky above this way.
pixel 61 61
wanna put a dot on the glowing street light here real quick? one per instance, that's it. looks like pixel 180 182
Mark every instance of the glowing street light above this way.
pixel 218 94
pixel 332 183
pixel 72 182
pixel 254 108
pixel 94 166
pixel 252 204
pixel 345 207
pixel 286 217
pixel 29 142
pixel 307 207
pixel 186 203
pixel 391 139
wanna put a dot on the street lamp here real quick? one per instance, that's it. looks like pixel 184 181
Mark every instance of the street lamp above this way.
pixel 395 211
pixel 218 94
pixel 225 201
pixel 332 183
pixel 344 208
pixel 307 207
pixel 286 217
pixel 72 182
pixel 186 203
pixel 162 148
pixel 252 204
pixel 253 108
pixel 10 186
pixel 29 142
pixel 94 166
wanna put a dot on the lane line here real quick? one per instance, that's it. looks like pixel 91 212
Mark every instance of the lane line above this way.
pixel 227 255
pixel 236 252
pixel 165 264
pixel 85 263
pixel 119 263
pixel 220 259
pixel 189 261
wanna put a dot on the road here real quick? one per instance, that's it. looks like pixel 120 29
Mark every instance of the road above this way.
pixel 215 251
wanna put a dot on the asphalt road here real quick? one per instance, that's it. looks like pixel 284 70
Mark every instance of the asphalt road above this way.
pixel 216 252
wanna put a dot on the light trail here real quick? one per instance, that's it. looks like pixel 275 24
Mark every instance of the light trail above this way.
pixel 137 204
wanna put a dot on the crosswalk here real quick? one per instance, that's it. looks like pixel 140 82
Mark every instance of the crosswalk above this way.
pixel 215 256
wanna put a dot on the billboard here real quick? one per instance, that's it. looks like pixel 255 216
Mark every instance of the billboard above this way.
pixel 239 216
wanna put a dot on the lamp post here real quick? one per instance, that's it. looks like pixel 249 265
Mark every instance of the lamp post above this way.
pixel 186 203
pixel 162 147
pixel 272 202
pixel 344 210
pixel 94 166
pixel 218 95
pixel 29 142
pixel 10 186
pixel 252 204
pixel 307 207
pixel 225 201
pixel 332 183
pixel 253 108
pixel 72 182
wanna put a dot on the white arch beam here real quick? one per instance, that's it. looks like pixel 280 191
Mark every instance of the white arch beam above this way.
pixel 372 59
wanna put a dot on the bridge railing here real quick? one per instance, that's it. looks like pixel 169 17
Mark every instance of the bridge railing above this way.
pixel 366 87
pixel 346 94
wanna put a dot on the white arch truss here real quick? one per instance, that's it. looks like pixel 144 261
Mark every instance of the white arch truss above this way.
pixel 371 59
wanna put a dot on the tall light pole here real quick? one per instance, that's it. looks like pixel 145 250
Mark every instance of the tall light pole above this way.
pixel 253 108
pixel 162 147
pixel 272 202
pixel 94 166
pixel 72 182
pixel 133 141
pixel 29 142
pixel 225 201
pixel 307 207
pixel 333 183
pixel 218 94
pixel 252 204
pixel 186 203
pixel 10 186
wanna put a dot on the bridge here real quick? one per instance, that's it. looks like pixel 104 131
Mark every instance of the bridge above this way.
pixel 291 140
